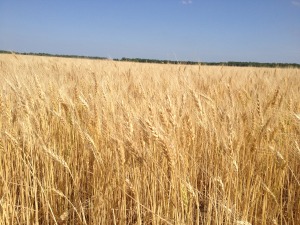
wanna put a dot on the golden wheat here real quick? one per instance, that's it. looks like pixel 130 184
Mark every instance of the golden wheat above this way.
pixel 103 142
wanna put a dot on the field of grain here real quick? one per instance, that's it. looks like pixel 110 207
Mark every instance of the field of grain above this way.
pixel 103 142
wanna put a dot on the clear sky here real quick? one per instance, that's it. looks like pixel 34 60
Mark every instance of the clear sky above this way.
pixel 197 30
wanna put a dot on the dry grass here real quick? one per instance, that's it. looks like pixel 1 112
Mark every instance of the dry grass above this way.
pixel 103 142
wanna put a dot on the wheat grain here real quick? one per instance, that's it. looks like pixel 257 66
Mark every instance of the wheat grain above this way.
pixel 101 142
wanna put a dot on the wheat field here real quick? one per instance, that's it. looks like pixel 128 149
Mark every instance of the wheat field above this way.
pixel 104 142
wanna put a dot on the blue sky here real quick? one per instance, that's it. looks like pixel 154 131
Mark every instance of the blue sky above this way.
pixel 197 30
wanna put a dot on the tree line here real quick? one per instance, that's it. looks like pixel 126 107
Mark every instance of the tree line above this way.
pixel 230 63
pixel 140 60
pixel 52 55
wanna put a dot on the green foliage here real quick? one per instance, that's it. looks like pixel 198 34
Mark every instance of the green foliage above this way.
pixel 230 63
pixel 239 64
